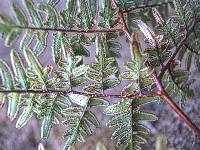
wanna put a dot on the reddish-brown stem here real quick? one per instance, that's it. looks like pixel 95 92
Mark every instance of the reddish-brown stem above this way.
pixel 124 26
pixel 180 113
pixel 47 91
pixel 123 23
pixel 70 30
pixel 174 106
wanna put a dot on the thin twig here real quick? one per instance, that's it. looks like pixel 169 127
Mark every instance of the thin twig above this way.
pixel 123 22
pixel 49 91
pixel 112 30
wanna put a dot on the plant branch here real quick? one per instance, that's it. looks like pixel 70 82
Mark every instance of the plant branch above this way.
pixel 112 30
pixel 175 107
pixel 145 6
pixel 161 92
pixel 40 91
pixel 179 46
pixel 123 22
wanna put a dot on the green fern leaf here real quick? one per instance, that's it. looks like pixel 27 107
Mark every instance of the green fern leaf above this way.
pixel 19 69
pixel 145 100
pixel 80 70
pixel 117 108
pixel 52 16
pixel 92 88
pixel 78 81
pixel 85 16
pixel 21 18
pixel 27 39
pixel 85 128
pixel 141 116
pixel 119 120
pixel 140 128
pixel 5 27
pixel 36 18
pixel 12 37
pixel 71 137
pixel 107 84
pixel 91 118
pixel 109 71
pixel 63 100
pixel 34 63
pixel 57 47
pixel 128 75
pixel 7 76
pixel 14 100
pixel 119 132
pixel 26 114
pixel 73 111
pixel 2 99
pixel 93 75
pixel 41 42
pixel 78 99
pixel 93 7
pixel 46 125
pixel 93 102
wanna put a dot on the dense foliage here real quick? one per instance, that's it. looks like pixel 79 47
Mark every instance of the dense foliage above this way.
pixel 67 93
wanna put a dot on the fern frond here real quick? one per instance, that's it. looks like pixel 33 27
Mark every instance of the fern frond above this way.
pixel 176 29
pixel 37 77
pixel 104 67
pixel 85 18
pixel 68 16
pixel 35 65
pixel 13 30
pixel 50 110
pixel 107 13
pixel 126 120
pixel 139 76
pixel 27 112
pixel 50 93
pixel 190 52
pixel 6 75
pixel 79 119
pixel 179 84
pixel 19 69
pixel 52 19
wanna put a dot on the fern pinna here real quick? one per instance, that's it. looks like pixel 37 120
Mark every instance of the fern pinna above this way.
pixel 53 93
